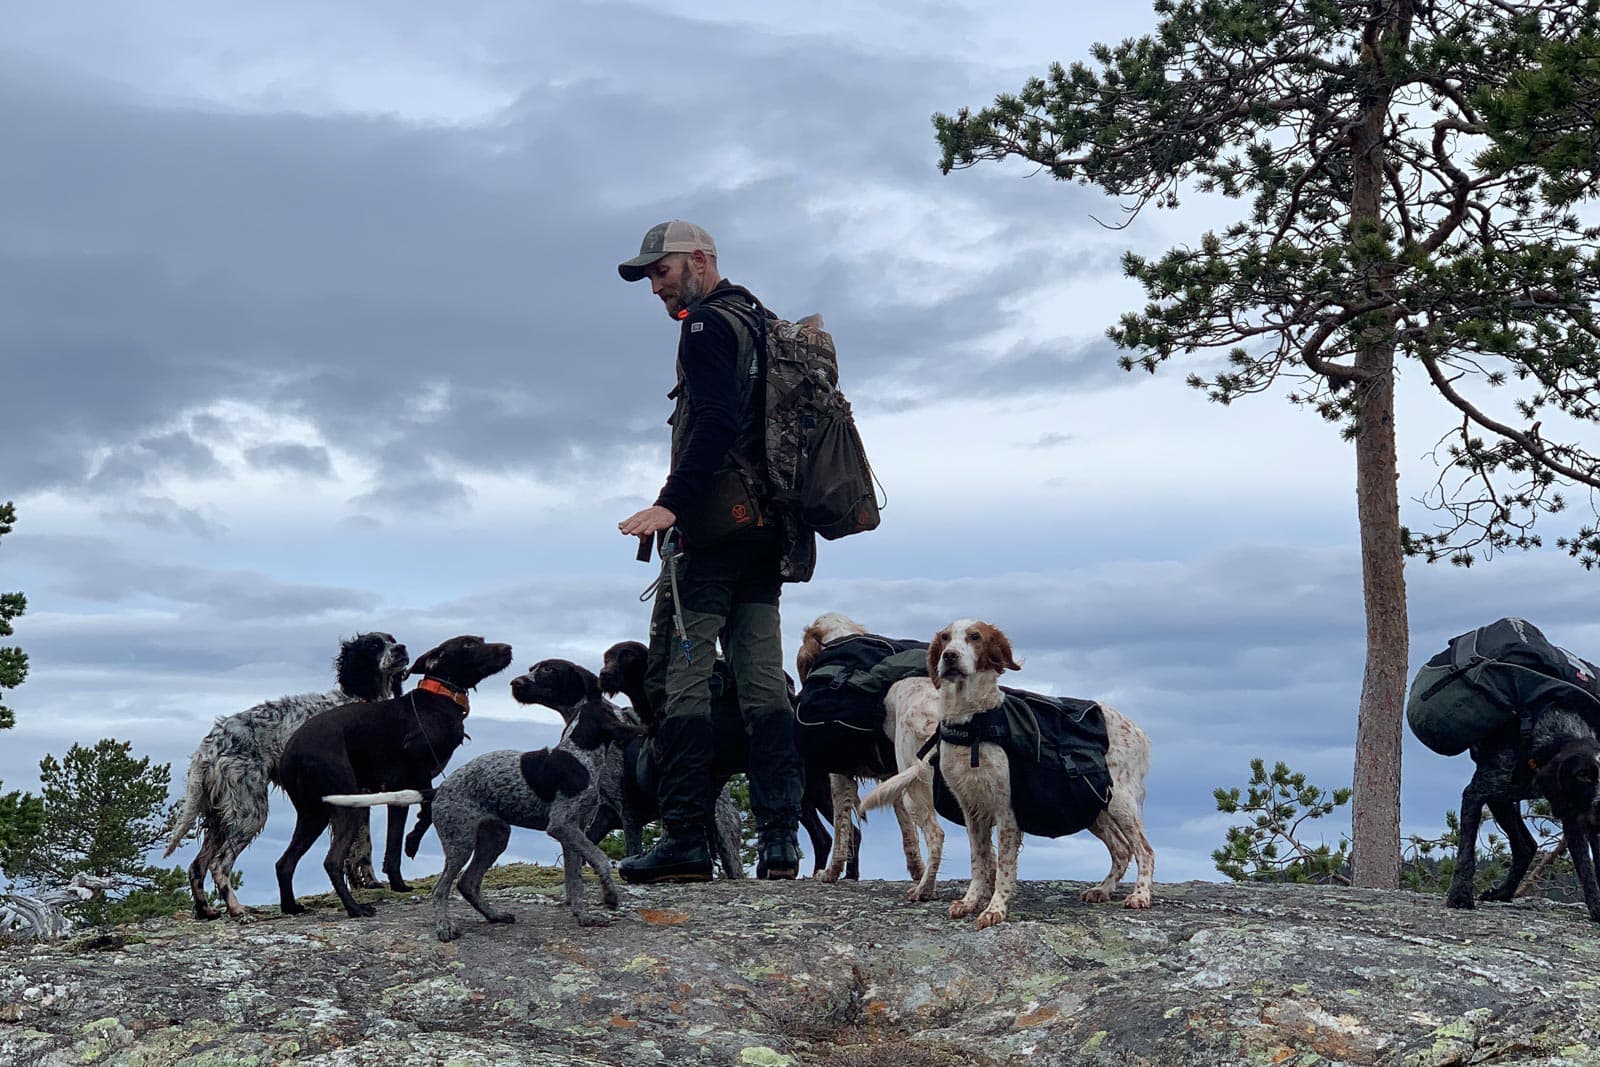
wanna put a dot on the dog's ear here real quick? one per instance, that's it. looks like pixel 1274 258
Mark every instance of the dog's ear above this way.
pixel 935 650
pixel 423 663
pixel 591 682
pixel 810 645
pixel 549 773
pixel 997 655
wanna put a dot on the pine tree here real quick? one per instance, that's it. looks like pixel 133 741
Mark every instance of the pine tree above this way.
pixel 19 812
pixel 103 809
pixel 1412 169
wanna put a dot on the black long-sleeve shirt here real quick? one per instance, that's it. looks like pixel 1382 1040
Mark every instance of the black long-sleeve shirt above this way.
pixel 708 356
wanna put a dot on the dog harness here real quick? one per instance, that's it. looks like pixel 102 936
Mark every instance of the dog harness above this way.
pixel 985 726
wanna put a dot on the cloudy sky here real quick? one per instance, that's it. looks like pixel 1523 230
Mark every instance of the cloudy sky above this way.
pixel 310 324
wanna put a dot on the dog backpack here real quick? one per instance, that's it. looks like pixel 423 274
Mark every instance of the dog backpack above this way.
pixel 841 703
pixel 1491 677
pixel 818 479
pixel 1056 749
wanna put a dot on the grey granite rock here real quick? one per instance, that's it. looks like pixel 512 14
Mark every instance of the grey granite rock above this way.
pixel 799 973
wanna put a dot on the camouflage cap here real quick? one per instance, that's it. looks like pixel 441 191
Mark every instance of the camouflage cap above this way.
pixel 662 239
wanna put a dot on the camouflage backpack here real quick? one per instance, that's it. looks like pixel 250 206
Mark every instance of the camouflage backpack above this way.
pixel 817 477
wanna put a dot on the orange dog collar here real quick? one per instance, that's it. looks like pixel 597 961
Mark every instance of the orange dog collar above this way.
pixel 433 685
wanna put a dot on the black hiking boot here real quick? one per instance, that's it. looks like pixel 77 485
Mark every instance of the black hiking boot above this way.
pixel 778 855
pixel 671 859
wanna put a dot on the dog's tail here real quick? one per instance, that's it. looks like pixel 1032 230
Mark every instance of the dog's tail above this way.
pixel 374 800
pixel 889 790
pixel 194 793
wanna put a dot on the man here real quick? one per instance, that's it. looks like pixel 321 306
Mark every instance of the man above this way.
pixel 724 583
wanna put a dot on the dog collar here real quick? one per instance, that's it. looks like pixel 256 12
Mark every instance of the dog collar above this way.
pixel 445 689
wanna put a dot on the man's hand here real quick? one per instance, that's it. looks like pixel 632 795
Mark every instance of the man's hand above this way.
pixel 651 520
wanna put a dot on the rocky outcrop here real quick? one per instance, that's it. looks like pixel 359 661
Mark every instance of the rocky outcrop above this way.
pixel 800 973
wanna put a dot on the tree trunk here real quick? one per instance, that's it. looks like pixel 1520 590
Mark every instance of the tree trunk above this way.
pixel 1375 818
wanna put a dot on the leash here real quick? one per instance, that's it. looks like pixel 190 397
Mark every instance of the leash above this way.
pixel 669 567
pixel 418 716
pixel 415 714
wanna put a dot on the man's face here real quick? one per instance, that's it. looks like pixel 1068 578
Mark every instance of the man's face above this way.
pixel 674 280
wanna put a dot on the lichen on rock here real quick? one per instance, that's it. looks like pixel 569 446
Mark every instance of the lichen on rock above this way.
pixel 845 975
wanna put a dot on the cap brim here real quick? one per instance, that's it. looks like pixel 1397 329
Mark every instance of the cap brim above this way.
pixel 638 266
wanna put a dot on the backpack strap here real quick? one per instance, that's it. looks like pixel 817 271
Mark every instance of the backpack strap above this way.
pixel 747 316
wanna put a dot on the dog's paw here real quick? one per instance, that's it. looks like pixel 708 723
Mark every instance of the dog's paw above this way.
pixel 611 900
pixel 1499 893
pixel 960 909
pixel 292 907
pixel 500 917
pixel 399 885
pixel 1095 895
pixel 990 917
pixel 827 874
pixel 588 919
pixel 362 911
pixel 1453 899
pixel 447 931
pixel 1139 898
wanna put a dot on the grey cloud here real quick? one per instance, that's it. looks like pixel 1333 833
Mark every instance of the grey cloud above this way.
pixel 297 459
pixel 426 492
pixel 161 514
pixel 100 571
pixel 339 267
pixel 151 458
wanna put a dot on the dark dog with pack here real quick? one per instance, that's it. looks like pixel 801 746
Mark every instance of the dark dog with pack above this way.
pixel 623 672
pixel 1527 711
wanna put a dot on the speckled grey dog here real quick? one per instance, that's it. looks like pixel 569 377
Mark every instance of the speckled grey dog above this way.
pixel 569 791
pixel 231 770
pixel 563 791
pixel 487 797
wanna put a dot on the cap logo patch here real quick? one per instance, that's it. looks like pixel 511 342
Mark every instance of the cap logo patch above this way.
pixel 696 327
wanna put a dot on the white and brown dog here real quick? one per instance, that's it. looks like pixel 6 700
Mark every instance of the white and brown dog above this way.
pixel 965 661
pixel 913 810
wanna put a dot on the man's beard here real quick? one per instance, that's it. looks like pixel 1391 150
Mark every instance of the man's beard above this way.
pixel 690 290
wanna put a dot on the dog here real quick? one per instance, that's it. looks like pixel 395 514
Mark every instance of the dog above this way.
pixel 565 791
pixel 913 810
pixel 1559 760
pixel 564 686
pixel 623 671
pixel 230 771
pixel 965 660
pixel 396 744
